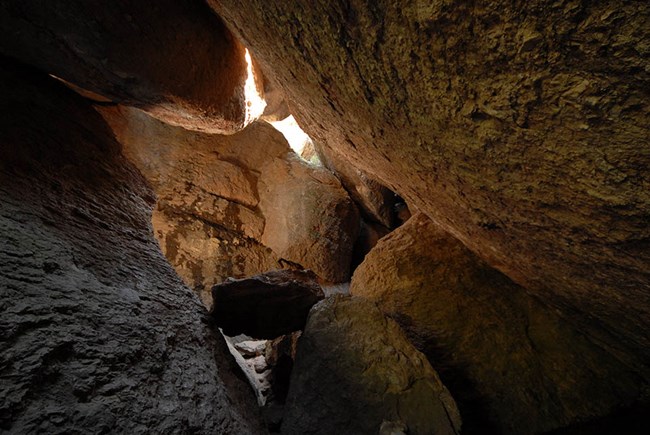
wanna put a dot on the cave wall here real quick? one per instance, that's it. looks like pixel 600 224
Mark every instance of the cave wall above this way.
pixel 519 127
pixel 97 332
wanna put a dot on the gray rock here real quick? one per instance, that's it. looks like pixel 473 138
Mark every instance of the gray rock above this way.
pixel 251 348
pixel 97 332
pixel 355 368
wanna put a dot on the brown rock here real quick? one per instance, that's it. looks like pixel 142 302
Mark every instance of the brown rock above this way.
pixel 355 368
pixel 310 220
pixel 206 218
pixel 521 129
pixel 265 306
pixel 206 254
pixel 174 59
pixel 97 333
pixel 512 364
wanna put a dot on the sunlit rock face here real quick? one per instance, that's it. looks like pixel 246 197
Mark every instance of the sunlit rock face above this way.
pixel 207 218
pixel 310 219
pixel 97 332
pixel 174 59
pixel 522 129
pixel 355 372
pixel 513 365
pixel 237 205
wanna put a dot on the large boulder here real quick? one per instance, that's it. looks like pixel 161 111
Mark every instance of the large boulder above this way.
pixel 310 219
pixel 97 332
pixel 513 365
pixel 265 306
pixel 520 128
pixel 207 218
pixel 174 59
pixel 355 371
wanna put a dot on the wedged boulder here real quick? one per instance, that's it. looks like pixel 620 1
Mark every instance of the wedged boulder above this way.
pixel 174 59
pixel 310 219
pixel 355 369
pixel 513 365
pixel 520 128
pixel 97 332
pixel 265 306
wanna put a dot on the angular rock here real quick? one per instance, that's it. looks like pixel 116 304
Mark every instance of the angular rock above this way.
pixel 280 355
pixel 174 59
pixel 520 128
pixel 267 305
pixel 513 365
pixel 310 220
pixel 355 368
pixel 97 332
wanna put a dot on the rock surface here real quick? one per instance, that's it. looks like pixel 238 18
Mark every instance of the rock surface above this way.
pixel 97 332
pixel 206 218
pixel 522 129
pixel 174 59
pixel 355 368
pixel 512 364
pixel 226 203
pixel 310 219
pixel 265 306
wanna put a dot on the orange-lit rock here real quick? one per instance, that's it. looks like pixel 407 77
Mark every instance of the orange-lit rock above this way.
pixel 235 205
pixel 310 219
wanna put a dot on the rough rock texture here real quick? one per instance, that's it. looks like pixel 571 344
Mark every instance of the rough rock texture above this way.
pixel 97 333
pixel 265 306
pixel 310 219
pixel 355 368
pixel 234 206
pixel 512 364
pixel 520 127
pixel 205 253
pixel 174 59
pixel 207 217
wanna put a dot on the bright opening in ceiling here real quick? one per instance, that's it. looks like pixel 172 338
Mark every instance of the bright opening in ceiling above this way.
pixel 297 138
pixel 255 104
